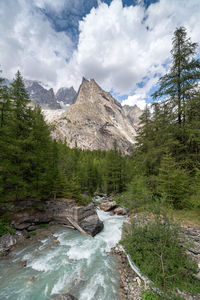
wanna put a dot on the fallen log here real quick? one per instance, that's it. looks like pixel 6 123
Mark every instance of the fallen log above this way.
pixel 75 225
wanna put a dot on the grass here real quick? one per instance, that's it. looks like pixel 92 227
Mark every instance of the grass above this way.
pixel 31 233
pixel 189 217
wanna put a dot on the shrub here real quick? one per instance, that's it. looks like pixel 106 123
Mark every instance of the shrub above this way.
pixel 4 227
pixel 154 247
pixel 149 295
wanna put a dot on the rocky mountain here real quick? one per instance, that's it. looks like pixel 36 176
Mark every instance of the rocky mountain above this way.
pixel 95 121
pixel 133 113
pixel 41 96
pixel 66 95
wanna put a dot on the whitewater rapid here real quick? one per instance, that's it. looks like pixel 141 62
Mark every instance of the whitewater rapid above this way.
pixel 65 262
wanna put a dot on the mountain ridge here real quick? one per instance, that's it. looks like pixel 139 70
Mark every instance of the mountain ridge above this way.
pixel 95 121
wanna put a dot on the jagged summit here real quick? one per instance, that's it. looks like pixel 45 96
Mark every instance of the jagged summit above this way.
pixel 95 121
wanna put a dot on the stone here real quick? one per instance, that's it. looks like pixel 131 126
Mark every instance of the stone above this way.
pixel 32 228
pixel 21 226
pixel 108 205
pixel 95 121
pixel 121 211
pixel 6 242
pixel 64 297
pixel 92 225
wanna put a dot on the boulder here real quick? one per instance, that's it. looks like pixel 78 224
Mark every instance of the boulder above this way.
pixel 121 211
pixel 21 226
pixel 6 242
pixel 108 205
pixel 92 225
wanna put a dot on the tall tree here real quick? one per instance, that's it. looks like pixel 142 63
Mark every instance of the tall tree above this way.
pixel 181 83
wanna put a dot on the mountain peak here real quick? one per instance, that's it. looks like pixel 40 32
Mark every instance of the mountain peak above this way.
pixel 95 121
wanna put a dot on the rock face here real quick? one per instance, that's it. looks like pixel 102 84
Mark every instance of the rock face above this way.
pixel 7 241
pixel 133 113
pixel 66 95
pixel 41 96
pixel 108 205
pixel 57 211
pixel 95 121
pixel 121 211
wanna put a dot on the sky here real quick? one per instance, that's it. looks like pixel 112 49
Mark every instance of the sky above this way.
pixel 124 45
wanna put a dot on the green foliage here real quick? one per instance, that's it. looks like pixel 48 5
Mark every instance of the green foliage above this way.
pixel 154 247
pixel 167 154
pixel 4 227
pixel 149 295
pixel 31 233
pixel 42 226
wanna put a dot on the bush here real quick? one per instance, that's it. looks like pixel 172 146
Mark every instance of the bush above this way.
pixel 149 295
pixel 4 228
pixel 154 247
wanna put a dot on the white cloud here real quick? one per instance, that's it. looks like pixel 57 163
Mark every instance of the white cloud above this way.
pixel 137 99
pixel 117 50
pixel 29 43
pixel 115 47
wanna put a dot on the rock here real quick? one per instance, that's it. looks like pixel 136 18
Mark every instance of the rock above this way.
pixel 92 225
pixel 108 205
pixel 95 121
pixel 32 228
pixel 120 211
pixel 21 226
pixel 64 297
pixel 6 242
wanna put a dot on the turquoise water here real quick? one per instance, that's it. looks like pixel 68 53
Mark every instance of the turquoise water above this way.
pixel 65 262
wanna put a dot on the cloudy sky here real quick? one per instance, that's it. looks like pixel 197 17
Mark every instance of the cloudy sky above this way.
pixel 124 45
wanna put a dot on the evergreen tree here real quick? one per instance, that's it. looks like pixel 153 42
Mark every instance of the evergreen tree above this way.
pixel 181 83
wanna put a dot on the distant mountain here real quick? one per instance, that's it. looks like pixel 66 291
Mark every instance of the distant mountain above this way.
pixel 95 121
pixel 133 113
pixel 66 95
pixel 41 96
pixel 44 96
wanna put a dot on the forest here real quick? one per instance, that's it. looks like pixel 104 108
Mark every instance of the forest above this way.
pixel 163 171
pixel 165 163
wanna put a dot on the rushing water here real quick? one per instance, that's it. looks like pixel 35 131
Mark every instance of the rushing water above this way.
pixel 73 264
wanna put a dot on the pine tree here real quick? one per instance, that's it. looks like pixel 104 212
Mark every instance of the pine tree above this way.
pixel 15 159
pixel 181 83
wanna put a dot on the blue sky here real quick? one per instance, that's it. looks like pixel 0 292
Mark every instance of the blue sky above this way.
pixel 124 45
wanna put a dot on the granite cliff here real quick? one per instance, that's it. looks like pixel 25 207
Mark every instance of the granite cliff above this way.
pixel 95 121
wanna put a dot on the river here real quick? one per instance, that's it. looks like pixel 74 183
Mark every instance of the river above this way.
pixel 65 262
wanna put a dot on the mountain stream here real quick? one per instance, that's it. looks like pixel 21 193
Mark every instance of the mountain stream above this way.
pixel 65 262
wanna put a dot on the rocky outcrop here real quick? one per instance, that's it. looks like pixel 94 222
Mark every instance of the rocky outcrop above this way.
pixel 121 211
pixel 41 96
pixel 26 218
pixel 95 121
pixel 133 113
pixel 66 95
pixel 108 205
pixel 8 240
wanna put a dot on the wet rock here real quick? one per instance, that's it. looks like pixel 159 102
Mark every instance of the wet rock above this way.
pixel 121 211
pixel 6 242
pixel 32 228
pixel 92 225
pixel 21 226
pixel 64 297
pixel 108 205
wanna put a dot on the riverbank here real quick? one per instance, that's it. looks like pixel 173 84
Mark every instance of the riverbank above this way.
pixel 132 285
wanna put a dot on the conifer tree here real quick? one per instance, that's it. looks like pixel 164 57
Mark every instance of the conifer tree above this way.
pixel 181 83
